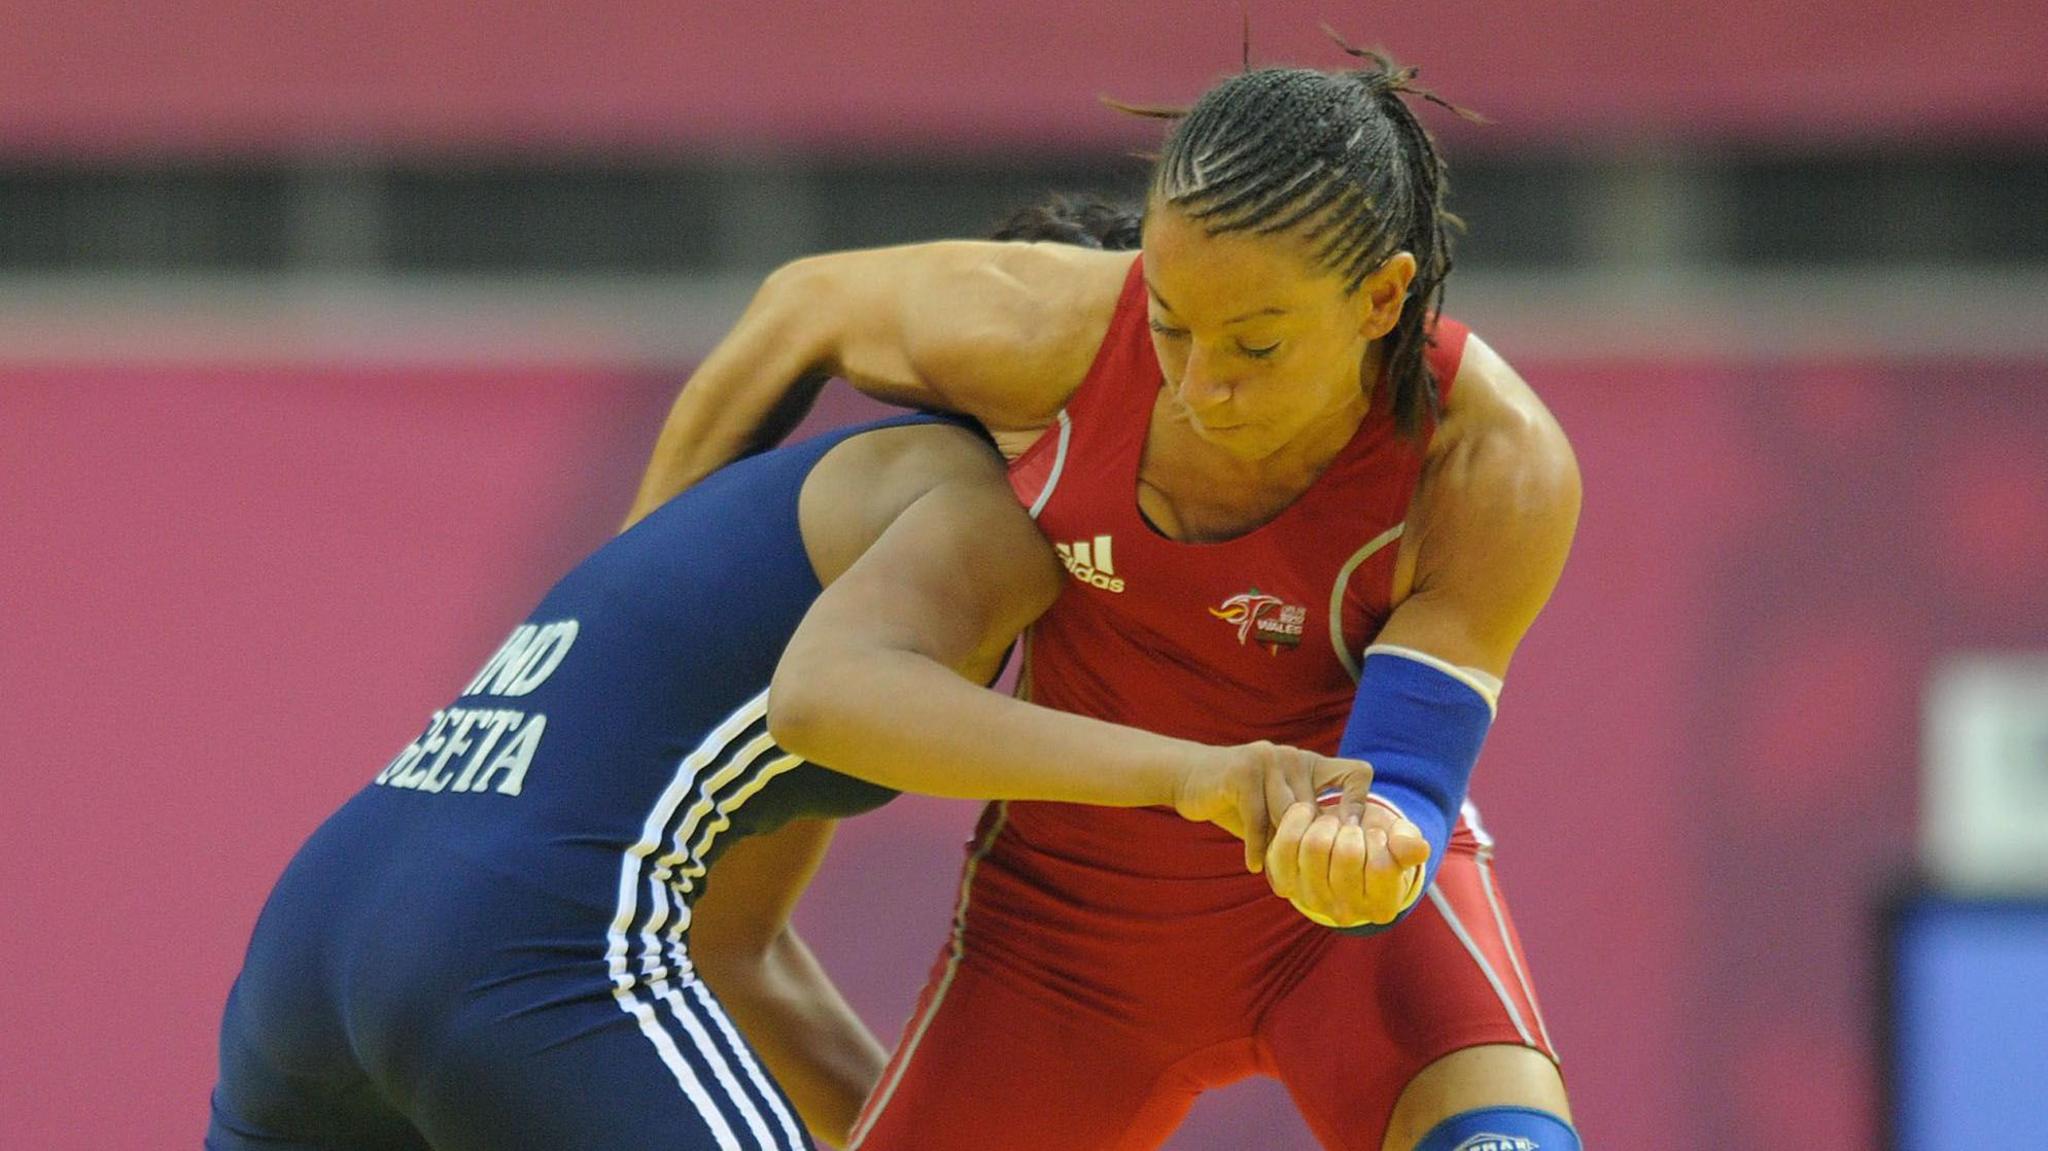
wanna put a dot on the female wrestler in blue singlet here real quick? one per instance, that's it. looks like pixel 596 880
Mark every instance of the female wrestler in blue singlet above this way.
pixel 498 943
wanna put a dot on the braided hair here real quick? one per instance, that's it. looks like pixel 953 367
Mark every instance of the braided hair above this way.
pixel 1086 221
pixel 1339 159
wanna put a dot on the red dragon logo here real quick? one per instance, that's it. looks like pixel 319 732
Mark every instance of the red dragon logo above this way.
pixel 1264 619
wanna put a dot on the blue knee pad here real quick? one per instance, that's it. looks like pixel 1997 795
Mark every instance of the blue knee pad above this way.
pixel 1501 1129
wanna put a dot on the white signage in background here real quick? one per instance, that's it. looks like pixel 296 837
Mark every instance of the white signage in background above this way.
pixel 1984 777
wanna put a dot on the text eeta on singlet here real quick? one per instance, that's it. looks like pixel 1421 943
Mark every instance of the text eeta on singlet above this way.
pixel 524 662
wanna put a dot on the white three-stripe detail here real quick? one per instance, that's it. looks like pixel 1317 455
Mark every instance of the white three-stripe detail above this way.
pixel 732 1039
pixel 659 964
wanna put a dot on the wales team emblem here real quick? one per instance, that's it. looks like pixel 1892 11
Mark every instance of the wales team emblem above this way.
pixel 1266 620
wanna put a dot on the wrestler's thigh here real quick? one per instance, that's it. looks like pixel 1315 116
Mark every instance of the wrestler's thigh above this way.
pixel 582 1071
pixel 1372 1015
pixel 988 1064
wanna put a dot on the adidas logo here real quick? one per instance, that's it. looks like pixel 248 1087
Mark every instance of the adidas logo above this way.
pixel 1091 563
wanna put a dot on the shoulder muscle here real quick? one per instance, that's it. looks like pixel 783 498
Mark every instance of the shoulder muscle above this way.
pixel 1002 332
pixel 863 485
pixel 1492 521
pixel 939 559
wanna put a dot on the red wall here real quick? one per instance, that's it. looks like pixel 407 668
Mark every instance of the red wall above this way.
pixel 208 76
pixel 229 595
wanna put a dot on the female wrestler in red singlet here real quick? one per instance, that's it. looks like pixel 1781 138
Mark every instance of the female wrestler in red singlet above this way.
pixel 1266 464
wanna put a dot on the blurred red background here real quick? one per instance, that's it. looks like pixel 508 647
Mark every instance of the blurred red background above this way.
pixel 245 76
pixel 232 593
pixel 271 482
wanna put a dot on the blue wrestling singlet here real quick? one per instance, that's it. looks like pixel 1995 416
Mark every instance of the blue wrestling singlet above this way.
pixel 485 948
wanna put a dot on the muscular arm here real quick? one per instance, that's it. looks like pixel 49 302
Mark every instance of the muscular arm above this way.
pixel 1000 332
pixel 1489 527
pixel 932 570
pixel 1491 522
pixel 744 947
pixel 880 679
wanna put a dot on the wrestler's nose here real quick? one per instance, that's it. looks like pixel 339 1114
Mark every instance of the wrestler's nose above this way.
pixel 1202 387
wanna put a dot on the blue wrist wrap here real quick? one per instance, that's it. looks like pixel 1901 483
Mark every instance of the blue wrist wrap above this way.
pixel 1420 724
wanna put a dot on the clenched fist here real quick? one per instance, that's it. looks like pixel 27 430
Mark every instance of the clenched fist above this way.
pixel 1248 789
pixel 1346 870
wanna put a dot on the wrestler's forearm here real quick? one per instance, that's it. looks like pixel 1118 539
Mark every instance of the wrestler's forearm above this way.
pixel 814 1045
pixel 765 370
pixel 901 720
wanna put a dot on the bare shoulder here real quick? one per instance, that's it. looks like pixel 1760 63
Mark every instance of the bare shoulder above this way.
pixel 862 485
pixel 1002 332
pixel 1491 522
pixel 1500 445
pixel 889 468
pixel 1007 331
pixel 919 457
pixel 1051 283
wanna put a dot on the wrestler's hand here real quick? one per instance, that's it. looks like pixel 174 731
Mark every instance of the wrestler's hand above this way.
pixel 1244 789
pixel 1347 872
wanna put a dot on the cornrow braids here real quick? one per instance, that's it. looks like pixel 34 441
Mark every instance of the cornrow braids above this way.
pixel 1339 159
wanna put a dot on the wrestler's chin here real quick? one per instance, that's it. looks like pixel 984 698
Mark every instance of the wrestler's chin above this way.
pixel 1244 441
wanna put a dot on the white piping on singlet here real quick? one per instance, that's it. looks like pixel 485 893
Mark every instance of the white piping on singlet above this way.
pixel 1500 989
pixel 1059 464
pixel 1485 863
pixel 901 1063
pixel 1344 574
pixel 1485 859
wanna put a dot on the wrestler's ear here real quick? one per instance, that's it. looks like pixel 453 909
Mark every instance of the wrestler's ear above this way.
pixel 1382 294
